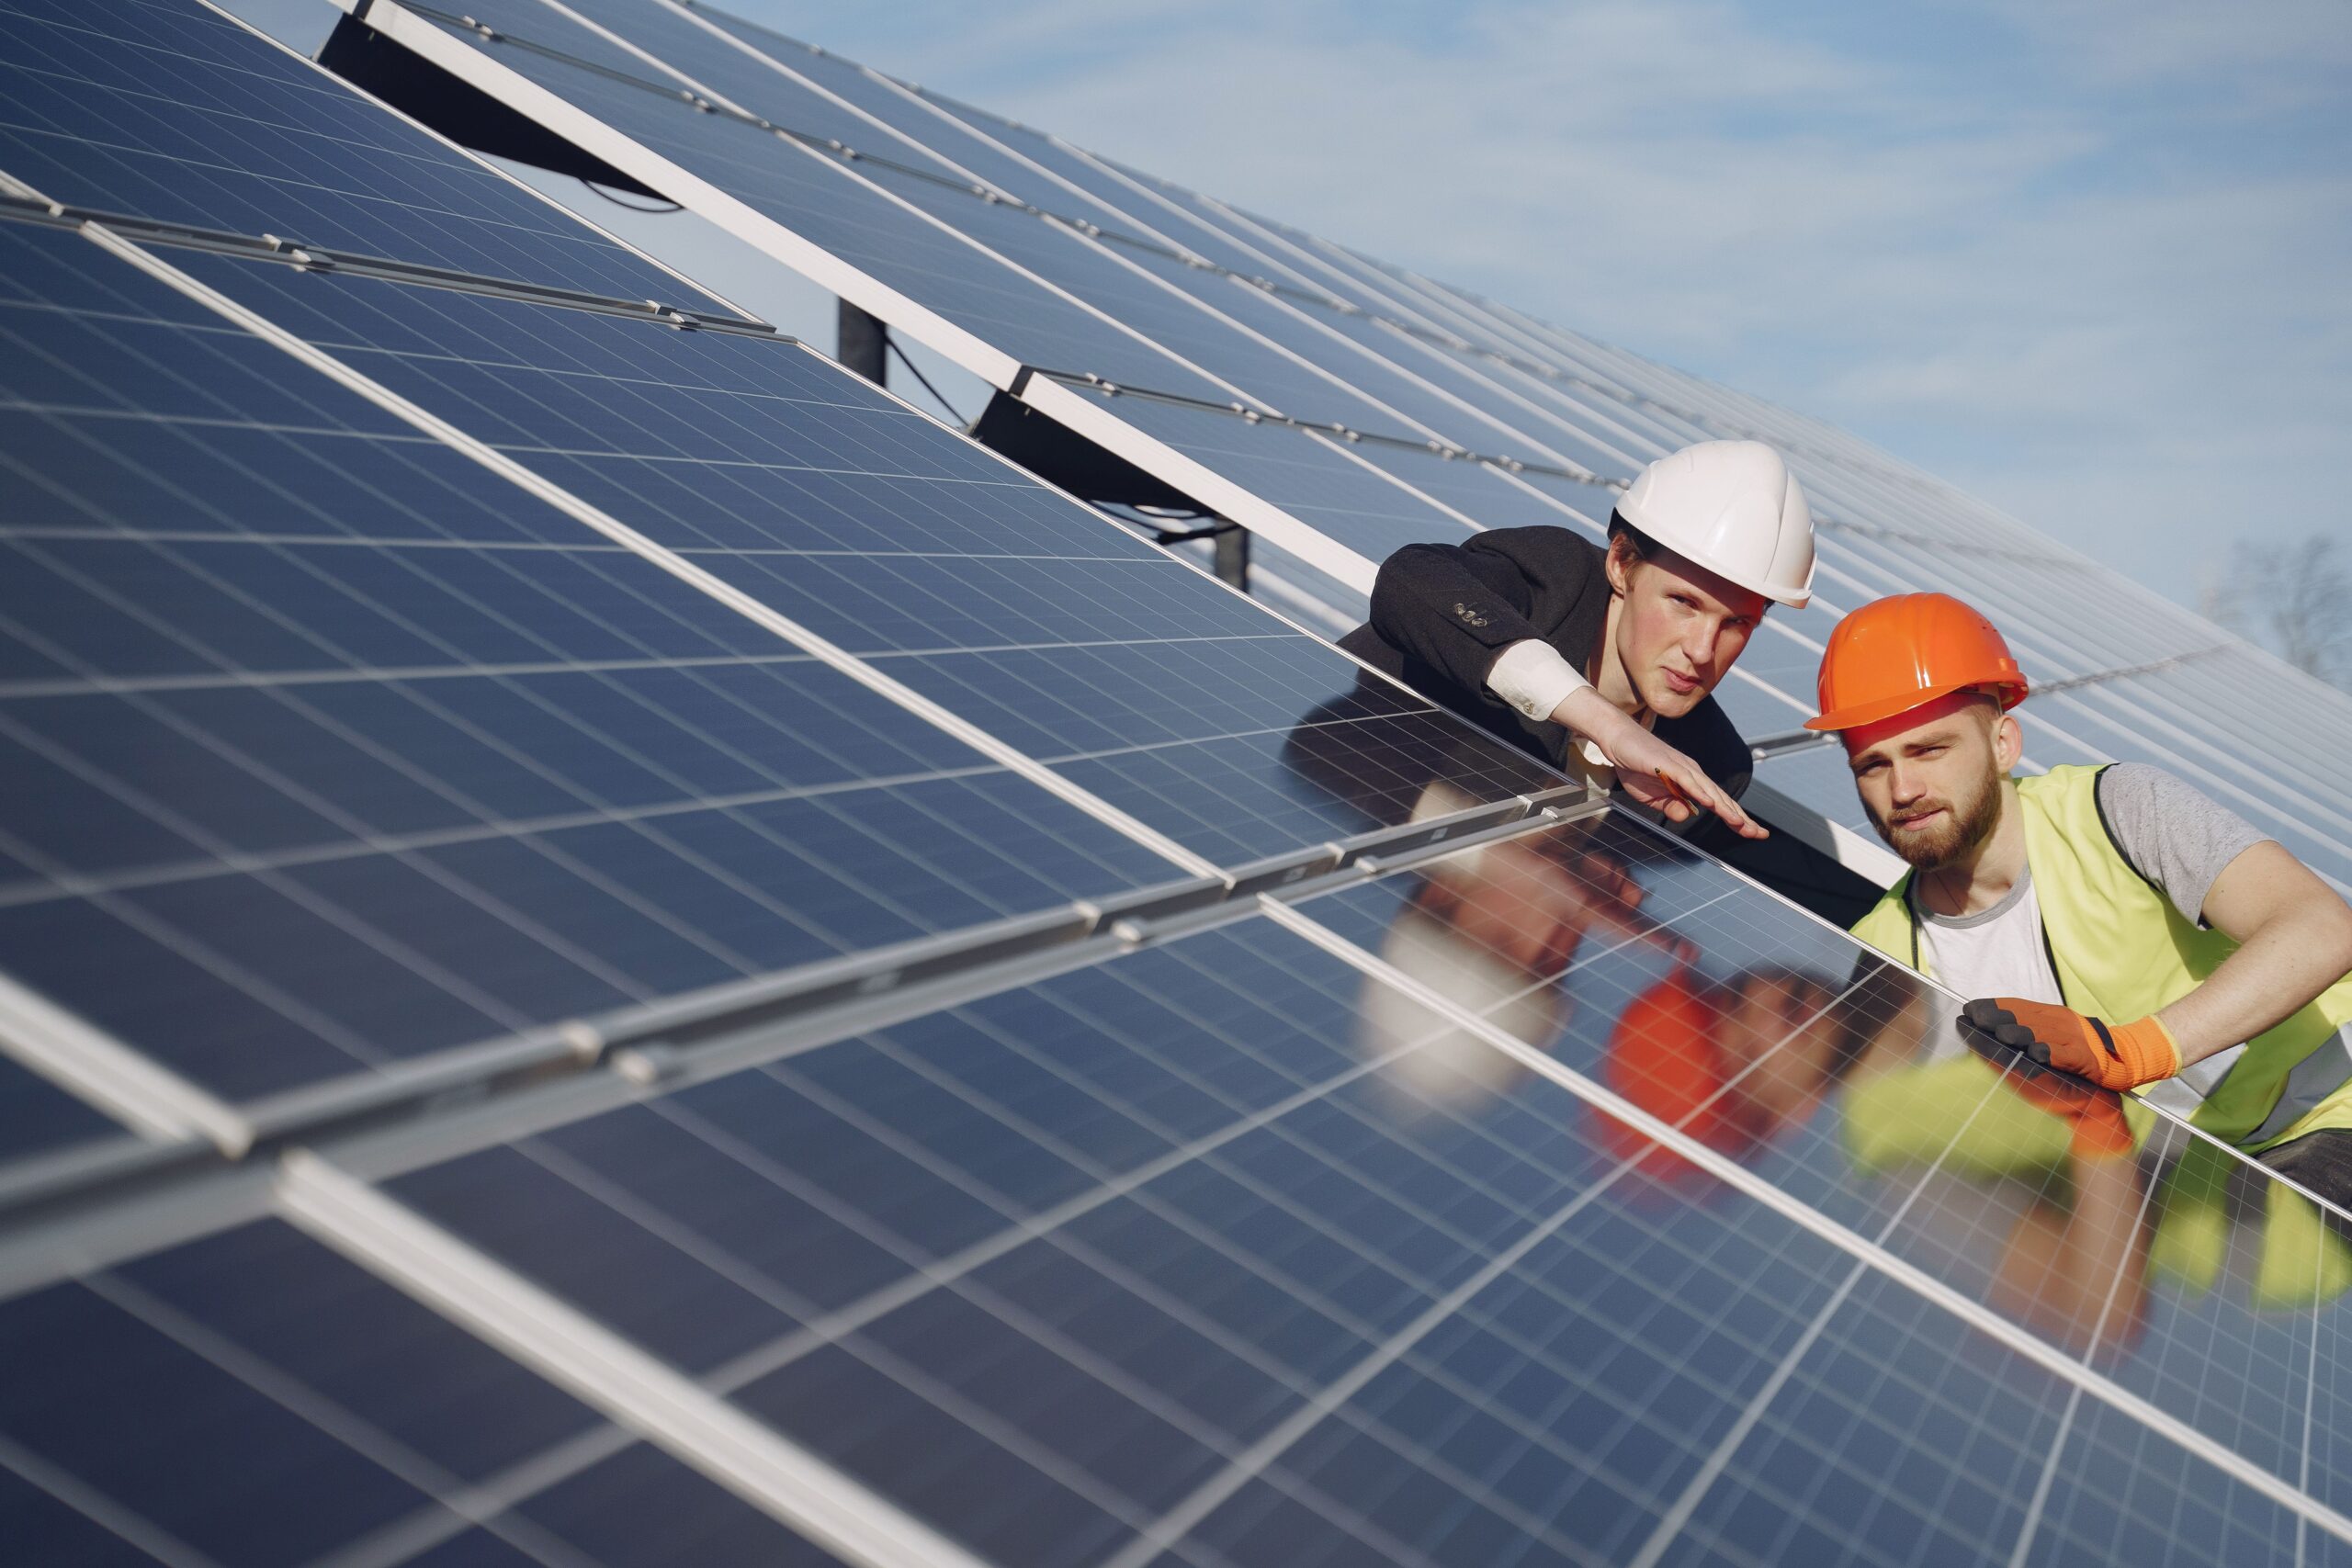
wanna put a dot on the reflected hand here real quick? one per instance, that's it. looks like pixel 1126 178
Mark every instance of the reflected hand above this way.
pixel 1532 908
pixel 2099 1132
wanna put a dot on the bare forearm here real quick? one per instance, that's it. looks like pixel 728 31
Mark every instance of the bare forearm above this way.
pixel 2280 967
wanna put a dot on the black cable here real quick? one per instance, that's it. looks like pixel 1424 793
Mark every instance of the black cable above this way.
pixel 616 202
pixel 892 345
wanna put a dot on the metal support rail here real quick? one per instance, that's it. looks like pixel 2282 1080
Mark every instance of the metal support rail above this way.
pixel 1767 747
pixel 308 257
pixel 990 194
pixel 1957 545
pixel 436 1106
pixel 1085 381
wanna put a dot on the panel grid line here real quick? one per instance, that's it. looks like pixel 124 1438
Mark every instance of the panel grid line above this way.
pixel 2159 1421
pixel 698 576
pixel 741 1454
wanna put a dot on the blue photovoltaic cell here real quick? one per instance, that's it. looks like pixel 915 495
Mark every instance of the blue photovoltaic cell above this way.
pixel 165 110
pixel 1882 1446
pixel 1219 1239
pixel 333 748
pixel 256 1399
pixel 2189 1280
pixel 1162 692
pixel 36 1115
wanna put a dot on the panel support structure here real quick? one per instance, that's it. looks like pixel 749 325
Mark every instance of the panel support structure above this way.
pixel 1233 558
pixel 865 344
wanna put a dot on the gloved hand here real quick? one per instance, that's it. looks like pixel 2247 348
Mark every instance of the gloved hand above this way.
pixel 2099 1129
pixel 2116 1056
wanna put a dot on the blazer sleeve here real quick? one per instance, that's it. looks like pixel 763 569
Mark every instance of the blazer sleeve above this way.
pixel 1455 607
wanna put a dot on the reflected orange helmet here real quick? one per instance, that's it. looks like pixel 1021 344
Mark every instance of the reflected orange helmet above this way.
pixel 1895 654
pixel 1662 1056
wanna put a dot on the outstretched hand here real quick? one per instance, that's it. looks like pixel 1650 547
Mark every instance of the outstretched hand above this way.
pixel 1654 773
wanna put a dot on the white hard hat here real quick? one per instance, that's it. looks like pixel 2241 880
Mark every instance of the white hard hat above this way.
pixel 1733 508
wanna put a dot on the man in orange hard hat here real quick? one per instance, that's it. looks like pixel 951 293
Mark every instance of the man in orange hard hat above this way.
pixel 2112 921
pixel 1728 1062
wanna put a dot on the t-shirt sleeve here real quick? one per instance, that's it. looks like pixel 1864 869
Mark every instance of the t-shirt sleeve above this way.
pixel 2172 832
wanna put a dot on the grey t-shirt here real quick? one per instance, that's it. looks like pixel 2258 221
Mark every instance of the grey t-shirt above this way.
pixel 2169 831
pixel 2172 832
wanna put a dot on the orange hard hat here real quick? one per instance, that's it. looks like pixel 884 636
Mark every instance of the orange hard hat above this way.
pixel 1662 1056
pixel 1895 654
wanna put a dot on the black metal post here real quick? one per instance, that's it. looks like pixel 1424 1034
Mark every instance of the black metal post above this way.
pixel 863 340
pixel 1233 557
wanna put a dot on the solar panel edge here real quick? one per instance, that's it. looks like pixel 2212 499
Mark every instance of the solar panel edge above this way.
pixel 148 1098
pixel 690 285
pixel 971 352
pixel 577 1353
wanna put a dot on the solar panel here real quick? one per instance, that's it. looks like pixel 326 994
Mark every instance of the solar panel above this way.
pixel 1094 653
pixel 1218 1248
pixel 297 682
pixel 1513 381
pixel 616 949
pixel 178 114
pixel 1035 293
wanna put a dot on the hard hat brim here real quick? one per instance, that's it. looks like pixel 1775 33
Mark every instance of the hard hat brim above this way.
pixel 1861 714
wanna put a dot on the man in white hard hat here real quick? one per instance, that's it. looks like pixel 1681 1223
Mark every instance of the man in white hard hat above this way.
pixel 1603 659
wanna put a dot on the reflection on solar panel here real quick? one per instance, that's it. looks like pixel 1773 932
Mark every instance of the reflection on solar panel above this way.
pixel 616 949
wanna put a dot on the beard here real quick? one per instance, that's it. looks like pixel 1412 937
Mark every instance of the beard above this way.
pixel 1968 822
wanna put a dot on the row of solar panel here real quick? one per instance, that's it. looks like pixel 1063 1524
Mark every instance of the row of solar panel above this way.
pixel 1248 1252
pixel 1048 294
pixel 486 768
pixel 1226 1248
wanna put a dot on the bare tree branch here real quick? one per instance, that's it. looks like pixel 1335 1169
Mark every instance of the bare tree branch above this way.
pixel 2295 599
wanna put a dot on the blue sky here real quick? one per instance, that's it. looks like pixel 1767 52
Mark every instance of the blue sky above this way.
pixel 2092 262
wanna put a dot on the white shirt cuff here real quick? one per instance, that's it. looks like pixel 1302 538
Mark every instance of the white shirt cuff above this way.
pixel 1532 678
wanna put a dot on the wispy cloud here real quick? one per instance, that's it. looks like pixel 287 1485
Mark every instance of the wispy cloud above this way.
pixel 2084 258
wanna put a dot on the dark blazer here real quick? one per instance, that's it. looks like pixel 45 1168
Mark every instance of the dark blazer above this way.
pixel 1442 614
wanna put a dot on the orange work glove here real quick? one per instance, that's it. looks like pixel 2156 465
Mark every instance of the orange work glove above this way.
pixel 2099 1129
pixel 2116 1056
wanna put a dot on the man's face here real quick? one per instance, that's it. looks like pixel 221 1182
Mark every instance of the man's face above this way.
pixel 1680 629
pixel 1931 778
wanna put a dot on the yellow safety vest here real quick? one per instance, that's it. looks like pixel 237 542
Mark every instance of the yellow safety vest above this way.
pixel 2120 950
pixel 1904 1117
